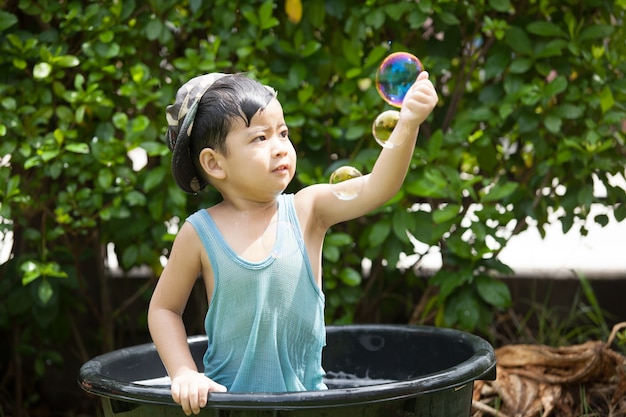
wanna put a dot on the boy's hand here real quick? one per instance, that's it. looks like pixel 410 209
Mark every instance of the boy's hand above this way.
pixel 191 390
pixel 419 101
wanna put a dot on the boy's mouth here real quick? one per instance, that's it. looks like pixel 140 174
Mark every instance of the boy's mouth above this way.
pixel 283 167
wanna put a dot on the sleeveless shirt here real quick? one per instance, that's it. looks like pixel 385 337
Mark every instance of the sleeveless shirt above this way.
pixel 265 321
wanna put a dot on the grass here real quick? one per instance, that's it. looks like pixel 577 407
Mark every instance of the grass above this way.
pixel 553 325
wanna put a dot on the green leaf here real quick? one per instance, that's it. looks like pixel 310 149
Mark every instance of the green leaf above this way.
pixel 423 230
pixel 517 39
pixel 105 178
pixel 49 155
pixel 81 148
pixel 557 86
pixel 446 213
pixel 338 239
pixel 310 48
pixel 496 64
pixel 570 111
pixel 500 5
pixel 154 178
pixel 350 276
pixel 431 184
pixel 153 29
pixel 493 291
pixel 593 32
pixel 553 123
pixel 79 114
pixel 176 196
pixel 620 212
pixel 135 198
pixel 331 253
pixel 378 233
pixel 449 18
pixel 155 148
pixel 44 292
pixel 520 65
pixel 552 48
pixel 265 15
pixel 602 219
pixel 351 53
pixel 354 132
pixel 499 191
pixel 120 120
pixel 53 269
pixel 458 246
pixel 130 256
pixel 545 28
pixel 251 16
pixel 32 162
pixel 375 19
pixel 140 123
pixel 448 281
pixel 30 271
pixel 606 99
pixel 402 222
pixel 464 309
pixel 12 187
pixel 67 61
pixel 7 20
pixel 195 5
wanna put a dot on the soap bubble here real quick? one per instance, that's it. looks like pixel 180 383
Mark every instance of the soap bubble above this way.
pixel 383 126
pixel 279 239
pixel 342 187
pixel 396 75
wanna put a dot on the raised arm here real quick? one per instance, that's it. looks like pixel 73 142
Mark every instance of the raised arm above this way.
pixel 390 168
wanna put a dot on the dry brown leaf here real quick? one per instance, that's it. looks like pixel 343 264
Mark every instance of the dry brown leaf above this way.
pixel 531 379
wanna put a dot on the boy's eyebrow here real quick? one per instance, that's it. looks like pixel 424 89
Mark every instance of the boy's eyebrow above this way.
pixel 263 128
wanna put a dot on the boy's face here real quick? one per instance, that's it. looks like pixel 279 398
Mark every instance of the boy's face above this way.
pixel 261 160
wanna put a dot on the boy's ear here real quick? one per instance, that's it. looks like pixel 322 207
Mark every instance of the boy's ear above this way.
pixel 210 161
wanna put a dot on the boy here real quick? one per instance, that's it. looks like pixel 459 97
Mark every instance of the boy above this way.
pixel 264 323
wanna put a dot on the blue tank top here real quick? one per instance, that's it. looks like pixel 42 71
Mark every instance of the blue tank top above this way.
pixel 265 322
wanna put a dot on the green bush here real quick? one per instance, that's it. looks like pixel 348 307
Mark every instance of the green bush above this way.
pixel 531 114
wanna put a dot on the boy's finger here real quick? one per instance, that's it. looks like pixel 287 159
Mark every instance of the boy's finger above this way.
pixel 183 397
pixel 176 393
pixel 194 396
pixel 423 75
pixel 215 387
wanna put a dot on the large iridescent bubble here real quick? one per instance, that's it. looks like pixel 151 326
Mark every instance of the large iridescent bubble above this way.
pixel 396 75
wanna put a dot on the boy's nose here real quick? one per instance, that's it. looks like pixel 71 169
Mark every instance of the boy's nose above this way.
pixel 281 147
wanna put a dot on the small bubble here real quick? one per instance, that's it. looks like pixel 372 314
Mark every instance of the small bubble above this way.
pixel 279 239
pixel 396 75
pixel 346 182
pixel 383 126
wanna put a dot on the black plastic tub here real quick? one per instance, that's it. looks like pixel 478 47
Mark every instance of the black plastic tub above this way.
pixel 371 370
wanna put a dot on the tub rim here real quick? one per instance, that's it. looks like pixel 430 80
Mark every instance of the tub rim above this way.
pixel 480 366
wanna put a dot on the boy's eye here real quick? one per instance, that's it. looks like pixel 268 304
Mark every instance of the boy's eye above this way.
pixel 259 138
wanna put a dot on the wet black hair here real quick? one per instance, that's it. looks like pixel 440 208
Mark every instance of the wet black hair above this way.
pixel 230 97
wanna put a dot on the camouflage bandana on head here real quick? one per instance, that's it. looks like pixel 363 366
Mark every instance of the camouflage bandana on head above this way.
pixel 180 117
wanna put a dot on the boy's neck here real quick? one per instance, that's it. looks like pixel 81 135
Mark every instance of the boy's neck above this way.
pixel 245 206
